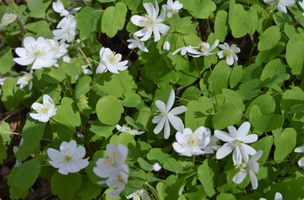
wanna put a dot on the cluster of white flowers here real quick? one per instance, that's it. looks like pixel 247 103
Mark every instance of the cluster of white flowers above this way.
pixel 113 168
pixel 204 49
pixel 69 159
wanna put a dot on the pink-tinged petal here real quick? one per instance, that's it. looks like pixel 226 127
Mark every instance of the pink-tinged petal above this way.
pixel 223 136
pixel 163 28
pixel 176 122
pixel 299 149
pixel 287 2
pixel 157 118
pixel 63 170
pixel 178 110
pixel 250 138
pixel 254 180
pixel 161 106
pixel 170 100
pixel 160 125
pixel 224 150
pixel 56 164
pixel 282 8
pixel 146 36
pixel 24 61
pixel 233 132
pixel 167 129
pixel 123 150
pixel 149 8
pixel 178 148
pixel 81 163
pixel 28 41
pixel 239 177
pixel 243 130
pixel 53 154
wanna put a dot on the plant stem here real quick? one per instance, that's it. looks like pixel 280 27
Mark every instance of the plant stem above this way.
pixel 198 71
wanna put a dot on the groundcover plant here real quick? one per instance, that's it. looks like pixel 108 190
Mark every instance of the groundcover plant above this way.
pixel 131 99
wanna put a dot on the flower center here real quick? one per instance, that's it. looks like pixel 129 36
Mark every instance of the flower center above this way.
pixel 227 53
pixel 164 114
pixel 37 53
pixel 148 22
pixel 117 182
pixel 27 78
pixel 68 158
pixel 113 58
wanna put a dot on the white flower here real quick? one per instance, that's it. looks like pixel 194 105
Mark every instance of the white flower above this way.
pixel 44 111
pixel 118 181
pixel 59 8
pixel 139 194
pixel 59 48
pixel 150 22
pixel 229 53
pixel 156 167
pixel 110 166
pixel 252 167
pixel 66 58
pixel 85 70
pixel 165 116
pixel 204 49
pixel 166 46
pixel 172 7
pixel 68 29
pixel 15 149
pixel 278 196
pixel 184 50
pixel 137 43
pixel 125 128
pixel 109 60
pixel 69 158
pixel 2 80
pixel 281 4
pixel 236 140
pixel 212 146
pixel 189 144
pixel 26 79
pixel 300 150
pixel 37 52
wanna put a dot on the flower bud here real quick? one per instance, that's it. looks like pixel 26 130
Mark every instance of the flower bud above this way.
pixel 156 167
pixel 166 46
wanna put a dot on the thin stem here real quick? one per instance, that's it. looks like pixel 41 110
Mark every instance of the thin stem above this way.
pixel 198 71
pixel 22 26
pixel 212 82
pixel 86 59
pixel 66 78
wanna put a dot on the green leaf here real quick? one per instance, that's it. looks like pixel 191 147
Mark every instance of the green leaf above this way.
pixel 6 60
pixel 221 25
pixel 101 129
pixel 32 133
pixel 191 93
pixel 297 108
pixel 268 123
pixel 8 98
pixel 109 110
pixel 205 176
pixel 85 21
pixel 265 102
pixel 144 164
pixel 234 98
pixel 27 174
pixel 281 19
pixel 294 56
pixel 123 138
pixel 199 9
pixel 113 19
pixel 156 155
pixel 225 196
pixel 36 7
pixel 236 75
pixel 4 132
pixel 264 144
pixel 65 186
pixel 35 26
pixel 14 190
pixel 82 86
pixel 268 55
pixel 88 190
pixel 131 100
pixel 285 143
pixel 240 26
pixel 269 38
pixel 3 154
pixel 274 67
pixel 198 112
pixel 227 115
pixel 172 165
pixel 290 98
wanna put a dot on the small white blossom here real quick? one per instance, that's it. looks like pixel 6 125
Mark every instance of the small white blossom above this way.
pixel 192 143
pixel 139 195
pixel 137 43
pixel 66 29
pixel 281 4
pixel 85 70
pixel 44 111
pixel 26 79
pixel 69 158
pixel 37 52
pixel 166 46
pixel 110 61
pixel 150 22
pixel 172 7
pixel 251 167
pixel 156 167
pixel 229 53
pixel 162 120
pixel 300 150
pixel 236 139
pixel 204 49
pixel 15 149
pixel 126 129
pixel 59 8
pixel 110 166
pixel 212 146
pixel 2 80
pixel 278 196
pixel 59 48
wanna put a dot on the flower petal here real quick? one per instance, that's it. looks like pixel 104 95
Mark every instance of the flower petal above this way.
pixel 178 110
pixel 160 125
pixel 176 122
pixel 254 179
pixel 239 177
pixel 167 129
pixel 223 136
pixel 224 150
